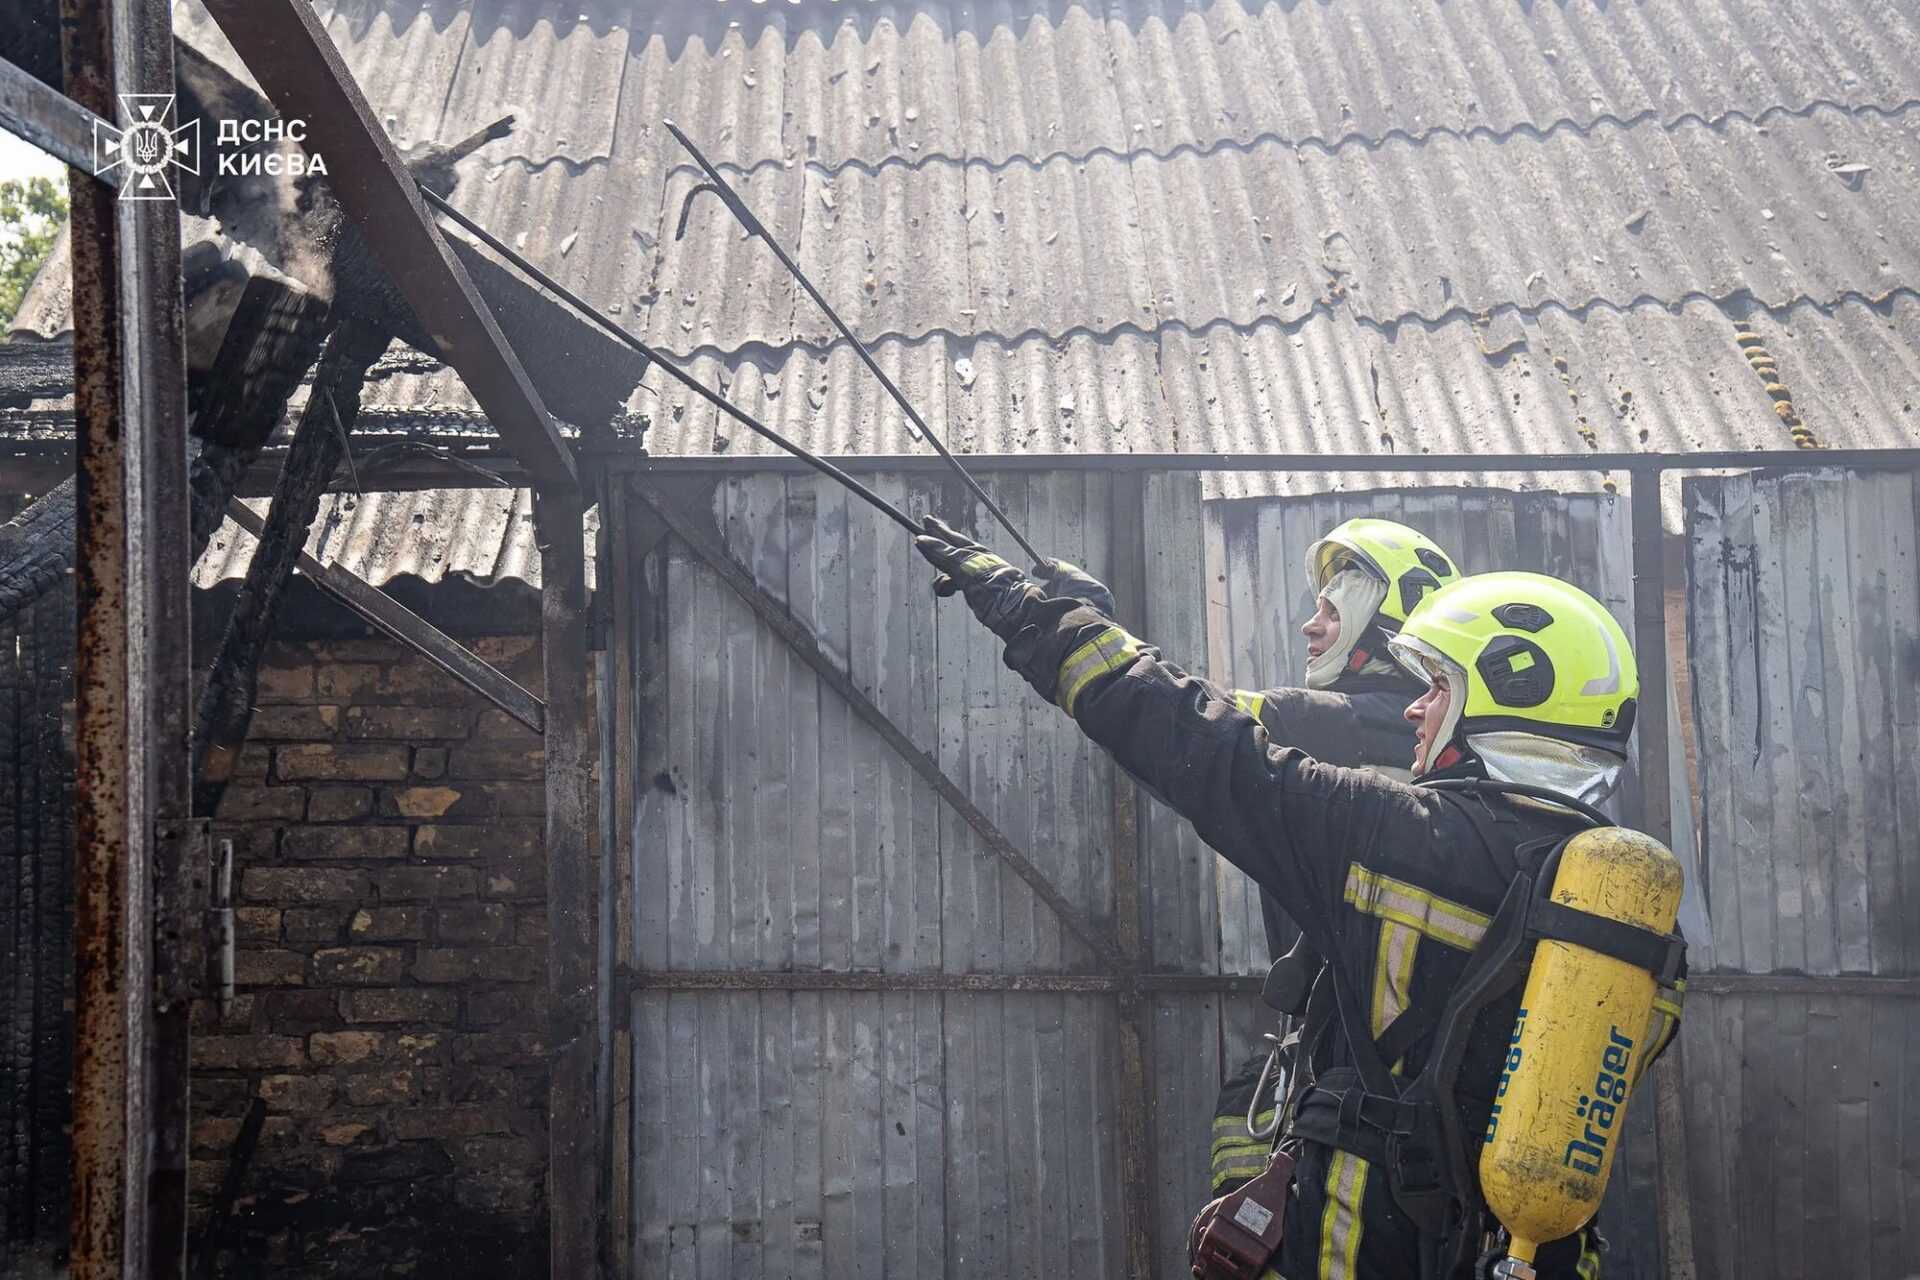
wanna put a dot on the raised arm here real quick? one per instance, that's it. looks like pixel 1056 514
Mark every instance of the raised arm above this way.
pixel 1285 819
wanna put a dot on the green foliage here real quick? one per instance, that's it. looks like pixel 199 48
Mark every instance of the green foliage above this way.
pixel 31 212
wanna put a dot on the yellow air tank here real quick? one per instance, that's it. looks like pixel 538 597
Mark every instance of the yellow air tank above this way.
pixel 1560 1109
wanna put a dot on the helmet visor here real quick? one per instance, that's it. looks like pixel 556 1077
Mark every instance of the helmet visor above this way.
pixel 1329 556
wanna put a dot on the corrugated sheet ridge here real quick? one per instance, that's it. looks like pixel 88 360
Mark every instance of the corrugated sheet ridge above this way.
pixel 765 353
pixel 1338 142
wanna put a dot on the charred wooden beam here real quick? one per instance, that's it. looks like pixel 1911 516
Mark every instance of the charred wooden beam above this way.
pixel 250 342
pixel 47 118
pixel 319 445
pixel 1656 799
pixel 297 64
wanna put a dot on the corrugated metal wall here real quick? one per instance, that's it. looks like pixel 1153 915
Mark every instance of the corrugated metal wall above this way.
pixel 864 1133
pixel 1804 1098
pixel 36 924
pixel 941 1132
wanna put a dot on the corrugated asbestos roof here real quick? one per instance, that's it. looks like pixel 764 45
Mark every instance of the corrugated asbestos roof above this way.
pixel 1211 226
pixel 1357 188
pixel 485 536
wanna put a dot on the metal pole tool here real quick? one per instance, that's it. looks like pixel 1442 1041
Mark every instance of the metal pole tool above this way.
pixel 754 227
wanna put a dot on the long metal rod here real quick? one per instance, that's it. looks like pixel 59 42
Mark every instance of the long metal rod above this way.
pixel 686 379
pixel 745 216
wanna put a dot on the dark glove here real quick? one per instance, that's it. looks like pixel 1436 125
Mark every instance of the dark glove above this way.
pixel 1067 581
pixel 995 590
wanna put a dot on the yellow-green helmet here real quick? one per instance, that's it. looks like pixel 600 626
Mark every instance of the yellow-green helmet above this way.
pixel 1406 560
pixel 1537 655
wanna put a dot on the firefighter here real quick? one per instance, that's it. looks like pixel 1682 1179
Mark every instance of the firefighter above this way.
pixel 1527 679
pixel 1367 575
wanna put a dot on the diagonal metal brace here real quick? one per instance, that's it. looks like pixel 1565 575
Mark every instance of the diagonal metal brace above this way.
pixel 707 546
pixel 397 622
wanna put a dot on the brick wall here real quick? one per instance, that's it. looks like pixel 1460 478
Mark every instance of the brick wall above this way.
pixel 391 955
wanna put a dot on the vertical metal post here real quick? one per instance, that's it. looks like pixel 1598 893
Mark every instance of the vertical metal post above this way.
pixel 1126 499
pixel 575 1162
pixel 136 861
pixel 1656 786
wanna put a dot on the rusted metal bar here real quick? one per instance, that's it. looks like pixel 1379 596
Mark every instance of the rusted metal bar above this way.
pixel 137 854
pixel 397 622
pixel 576 1164
pixel 1013 983
pixel 49 119
pixel 296 63
pixel 707 546
pixel 1126 500
pixel 1656 787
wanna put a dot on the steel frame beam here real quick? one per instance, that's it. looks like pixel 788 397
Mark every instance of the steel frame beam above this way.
pixel 629 981
pixel 139 858
pixel 633 457
pixel 1650 638
pixel 296 63
pixel 477 466
pixel 577 1173
pixel 50 120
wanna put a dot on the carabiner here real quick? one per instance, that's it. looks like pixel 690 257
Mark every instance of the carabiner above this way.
pixel 1269 1069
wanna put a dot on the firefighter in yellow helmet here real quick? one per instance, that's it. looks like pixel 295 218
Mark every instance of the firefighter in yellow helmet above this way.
pixel 1366 574
pixel 1396 885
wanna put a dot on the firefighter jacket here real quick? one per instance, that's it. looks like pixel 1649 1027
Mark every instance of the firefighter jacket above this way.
pixel 1360 720
pixel 1395 884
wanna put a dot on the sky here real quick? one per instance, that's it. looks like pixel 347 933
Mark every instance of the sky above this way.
pixel 24 160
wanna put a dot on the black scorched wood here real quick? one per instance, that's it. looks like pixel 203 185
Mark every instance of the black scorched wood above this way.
pixel 252 338
pixel 319 447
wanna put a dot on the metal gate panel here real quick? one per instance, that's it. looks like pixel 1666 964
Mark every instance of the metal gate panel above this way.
pixel 879 1131
pixel 1803 1102
pixel 907 1121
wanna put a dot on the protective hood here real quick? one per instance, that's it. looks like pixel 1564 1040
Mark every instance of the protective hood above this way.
pixel 1426 662
pixel 1585 773
pixel 1356 596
